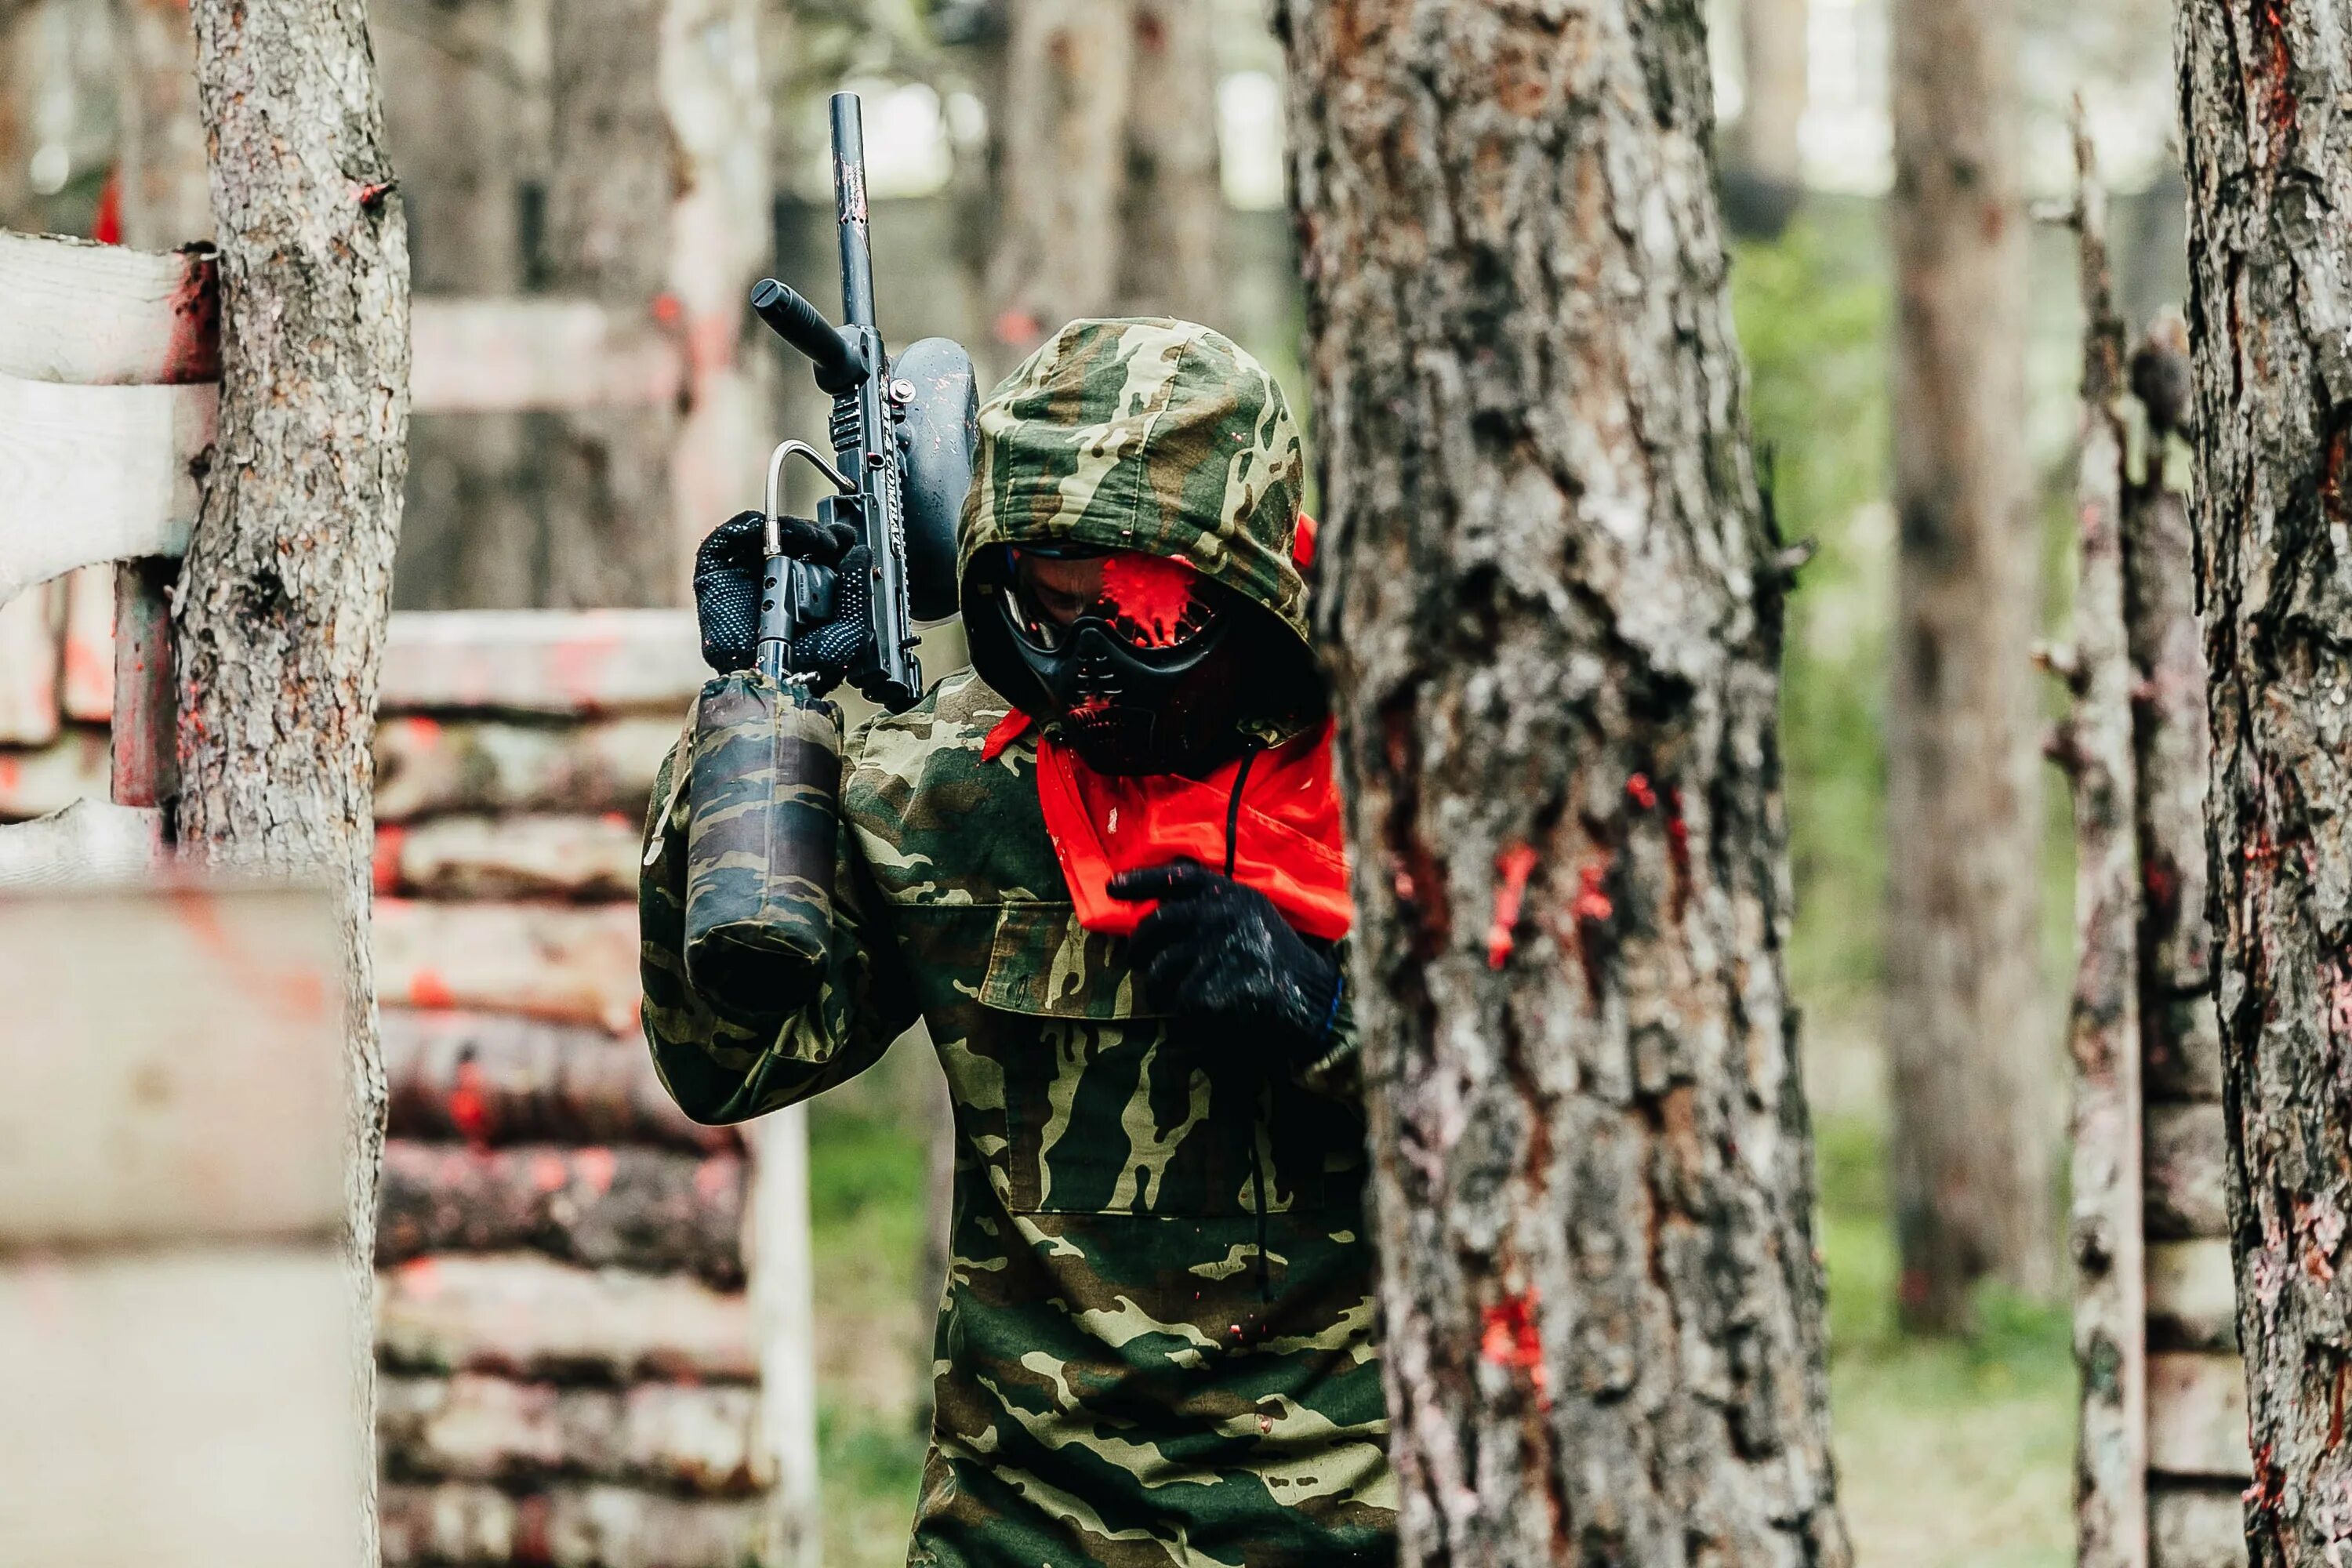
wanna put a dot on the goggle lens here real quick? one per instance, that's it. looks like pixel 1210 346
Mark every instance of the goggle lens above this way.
pixel 1149 601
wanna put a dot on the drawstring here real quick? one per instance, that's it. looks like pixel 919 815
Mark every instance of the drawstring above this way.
pixel 1258 1164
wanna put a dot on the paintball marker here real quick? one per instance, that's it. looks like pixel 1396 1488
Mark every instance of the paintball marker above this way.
pixel 764 781
pixel 902 435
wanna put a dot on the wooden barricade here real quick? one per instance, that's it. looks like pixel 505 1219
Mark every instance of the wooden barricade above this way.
pixel 2163 1452
pixel 594 1325
pixel 177 1341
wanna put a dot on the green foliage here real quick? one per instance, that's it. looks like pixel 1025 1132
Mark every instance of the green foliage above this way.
pixel 1813 312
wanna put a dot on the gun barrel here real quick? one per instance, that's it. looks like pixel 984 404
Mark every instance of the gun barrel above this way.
pixel 849 201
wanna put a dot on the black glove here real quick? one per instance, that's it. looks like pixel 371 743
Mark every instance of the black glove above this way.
pixel 727 571
pixel 1216 949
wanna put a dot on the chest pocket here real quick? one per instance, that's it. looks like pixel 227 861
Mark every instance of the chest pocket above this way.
pixel 1110 1108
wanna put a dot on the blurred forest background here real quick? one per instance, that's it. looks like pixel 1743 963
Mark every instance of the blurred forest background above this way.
pixel 1032 161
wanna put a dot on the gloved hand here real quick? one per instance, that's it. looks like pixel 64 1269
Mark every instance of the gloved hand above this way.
pixel 1216 949
pixel 727 571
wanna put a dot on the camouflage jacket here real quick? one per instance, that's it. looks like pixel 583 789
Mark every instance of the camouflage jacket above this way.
pixel 1157 1346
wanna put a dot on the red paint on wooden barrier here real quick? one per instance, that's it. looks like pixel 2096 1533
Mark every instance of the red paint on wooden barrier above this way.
pixel 469 1107
pixel 596 1166
pixel 385 867
pixel 427 989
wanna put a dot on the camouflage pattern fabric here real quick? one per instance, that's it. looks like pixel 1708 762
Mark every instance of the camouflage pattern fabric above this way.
pixel 1157 1344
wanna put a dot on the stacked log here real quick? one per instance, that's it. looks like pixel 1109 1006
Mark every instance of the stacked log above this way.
pixel 571 1361
pixel 2163 1455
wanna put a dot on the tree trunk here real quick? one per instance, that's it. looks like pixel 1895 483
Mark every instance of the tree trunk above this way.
pixel 608 538
pixel 2269 156
pixel 165 201
pixel 281 603
pixel 454 120
pixel 1172 211
pixel 1062 152
pixel 1972 1078
pixel 1766 176
pixel 1553 605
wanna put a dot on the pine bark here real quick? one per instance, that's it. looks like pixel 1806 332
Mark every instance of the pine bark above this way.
pixel 1172 210
pixel 1972 1078
pixel 1554 609
pixel 282 600
pixel 2269 162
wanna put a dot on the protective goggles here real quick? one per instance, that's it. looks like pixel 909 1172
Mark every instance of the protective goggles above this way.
pixel 1149 602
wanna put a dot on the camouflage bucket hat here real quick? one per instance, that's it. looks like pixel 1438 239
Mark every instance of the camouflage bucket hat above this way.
pixel 1147 434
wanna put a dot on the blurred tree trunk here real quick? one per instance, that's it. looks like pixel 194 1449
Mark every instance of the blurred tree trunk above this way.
pixel 1766 179
pixel 1553 603
pixel 2269 166
pixel 282 600
pixel 454 121
pixel 1173 209
pixel 609 538
pixel 1060 126
pixel 1973 1081
pixel 18 84
pixel 165 201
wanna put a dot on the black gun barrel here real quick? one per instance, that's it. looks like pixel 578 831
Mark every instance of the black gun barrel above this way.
pixel 839 364
pixel 849 200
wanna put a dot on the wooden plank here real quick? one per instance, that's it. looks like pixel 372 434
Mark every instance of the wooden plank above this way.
pixel 2197 1415
pixel 29 638
pixel 2195 1527
pixel 508 354
pixel 95 473
pixel 491 1078
pixel 460 1524
pixel 647 1209
pixel 571 964
pixel 783 1305
pixel 676 1437
pixel 101 315
pixel 2192 1302
pixel 524 857
pixel 87 692
pixel 189 1408
pixel 2186 1157
pixel 521 1315
pixel 89 844
pixel 34 783
pixel 574 662
pixel 426 766
pixel 173 1067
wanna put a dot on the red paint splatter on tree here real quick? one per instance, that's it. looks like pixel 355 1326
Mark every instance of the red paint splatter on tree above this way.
pixel 1152 597
pixel 1638 789
pixel 370 195
pixel 420 1278
pixel 1592 903
pixel 107 226
pixel 1513 865
pixel 1507 1338
pixel 668 309
pixel 596 1166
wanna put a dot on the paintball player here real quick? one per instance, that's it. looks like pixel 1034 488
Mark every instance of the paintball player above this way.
pixel 1105 866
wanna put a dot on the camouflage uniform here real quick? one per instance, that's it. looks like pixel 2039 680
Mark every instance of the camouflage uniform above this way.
pixel 1137 1361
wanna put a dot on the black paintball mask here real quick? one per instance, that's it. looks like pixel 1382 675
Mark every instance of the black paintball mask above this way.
pixel 1136 661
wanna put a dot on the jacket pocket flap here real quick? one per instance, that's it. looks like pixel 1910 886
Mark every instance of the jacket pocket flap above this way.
pixel 1044 963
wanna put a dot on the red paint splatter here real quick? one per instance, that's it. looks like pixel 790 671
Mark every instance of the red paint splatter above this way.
pixel 1638 789
pixel 385 868
pixel 1018 329
pixel 107 226
pixel 1514 865
pixel 596 1166
pixel 370 195
pixel 668 309
pixel 1507 1338
pixel 1591 903
pixel 547 1172
pixel 421 1278
pixel 712 1179
pixel 533 1537
pixel 1152 596
pixel 469 1107
pixel 427 989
